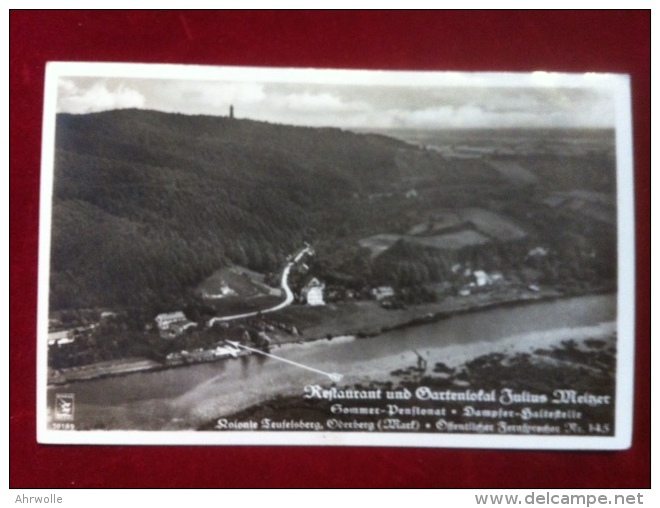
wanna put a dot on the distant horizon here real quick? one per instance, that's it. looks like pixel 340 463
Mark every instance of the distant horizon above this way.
pixel 374 101
pixel 357 129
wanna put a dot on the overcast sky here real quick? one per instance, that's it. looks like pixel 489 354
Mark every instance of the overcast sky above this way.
pixel 348 106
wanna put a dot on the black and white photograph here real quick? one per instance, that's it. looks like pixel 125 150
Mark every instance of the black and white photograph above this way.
pixel 330 257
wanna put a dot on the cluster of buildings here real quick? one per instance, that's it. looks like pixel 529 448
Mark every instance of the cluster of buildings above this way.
pixel 476 279
pixel 67 336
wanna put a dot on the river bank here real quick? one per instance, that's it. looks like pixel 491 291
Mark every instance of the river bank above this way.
pixel 362 319
pixel 576 360
pixel 369 319
pixel 187 398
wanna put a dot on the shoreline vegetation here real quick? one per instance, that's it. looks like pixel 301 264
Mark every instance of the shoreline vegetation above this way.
pixel 363 320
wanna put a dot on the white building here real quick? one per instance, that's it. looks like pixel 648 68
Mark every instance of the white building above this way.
pixel 313 292
pixel 163 321
pixel 382 292
pixel 482 278
pixel 61 337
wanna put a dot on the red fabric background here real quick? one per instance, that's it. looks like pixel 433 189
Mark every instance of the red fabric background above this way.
pixel 576 41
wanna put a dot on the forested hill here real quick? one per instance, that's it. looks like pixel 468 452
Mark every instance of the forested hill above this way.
pixel 146 204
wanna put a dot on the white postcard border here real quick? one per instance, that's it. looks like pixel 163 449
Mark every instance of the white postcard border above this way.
pixel 619 84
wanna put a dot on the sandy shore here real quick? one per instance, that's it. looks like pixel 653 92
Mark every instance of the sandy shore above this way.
pixel 456 356
pixel 580 358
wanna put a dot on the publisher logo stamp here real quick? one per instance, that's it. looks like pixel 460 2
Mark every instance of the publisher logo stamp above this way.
pixel 64 406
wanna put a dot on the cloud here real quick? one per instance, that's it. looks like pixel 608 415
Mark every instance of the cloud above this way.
pixel 308 102
pixel 74 98
pixel 349 106
pixel 197 97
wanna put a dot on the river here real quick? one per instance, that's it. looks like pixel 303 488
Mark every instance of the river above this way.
pixel 185 397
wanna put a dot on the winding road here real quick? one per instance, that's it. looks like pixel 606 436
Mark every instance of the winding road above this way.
pixel 284 285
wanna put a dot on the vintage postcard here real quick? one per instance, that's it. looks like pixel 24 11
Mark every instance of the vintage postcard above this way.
pixel 322 257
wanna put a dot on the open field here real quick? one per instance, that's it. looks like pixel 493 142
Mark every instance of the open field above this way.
pixel 237 290
pixel 513 171
pixel 369 318
pixel 450 230
pixel 595 205
pixel 492 224
pixel 236 281
pixel 429 164
pixel 233 305
pixel 378 244
pixel 567 173
pixel 449 241
pixel 438 222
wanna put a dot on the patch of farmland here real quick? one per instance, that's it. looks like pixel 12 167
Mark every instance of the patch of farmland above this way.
pixel 233 305
pixel 450 241
pixel 597 205
pixel 596 172
pixel 596 211
pixel 484 221
pixel 513 171
pixel 591 196
pixel 437 222
pixel 493 225
pixel 242 283
pixel 454 240
pixel 451 229
pixel 432 166
pixel 378 244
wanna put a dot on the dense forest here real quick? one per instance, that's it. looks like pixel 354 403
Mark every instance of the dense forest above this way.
pixel 147 204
